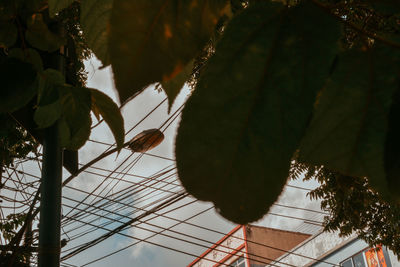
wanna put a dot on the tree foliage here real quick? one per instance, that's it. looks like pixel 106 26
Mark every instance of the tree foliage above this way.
pixel 42 71
pixel 15 142
pixel 314 80
pixel 353 206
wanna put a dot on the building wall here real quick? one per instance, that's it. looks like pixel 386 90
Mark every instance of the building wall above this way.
pixel 393 259
pixel 350 249
pixel 314 248
pixel 329 249
pixel 258 245
pixel 321 250
pixel 226 250
pixel 270 243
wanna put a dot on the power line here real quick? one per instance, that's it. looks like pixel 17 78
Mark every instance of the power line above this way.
pixel 162 205
pixel 156 189
pixel 179 239
pixel 118 201
pixel 274 214
pixel 172 118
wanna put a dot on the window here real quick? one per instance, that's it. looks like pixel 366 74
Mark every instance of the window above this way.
pixel 358 260
pixel 241 262
pixel 372 257
pixel 347 263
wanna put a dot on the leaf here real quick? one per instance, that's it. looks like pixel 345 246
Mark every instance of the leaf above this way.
pixel 64 132
pixel 174 86
pixel 347 132
pixel 71 161
pixel 7 11
pixel 76 104
pixel 79 135
pixel 29 55
pixel 111 114
pixel 152 41
pixel 392 146
pixel 56 6
pixel 50 82
pixel 8 34
pixel 78 138
pixel 47 115
pixel 10 9
pixel 95 17
pixel 19 84
pixel 39 35
pixel 251 107
pixel 95 110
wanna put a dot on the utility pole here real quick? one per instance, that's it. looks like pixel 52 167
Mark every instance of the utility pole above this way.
pixel 50 201
pixel 50 189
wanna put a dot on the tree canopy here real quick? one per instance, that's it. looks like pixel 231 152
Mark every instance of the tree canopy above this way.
pixel 312 80
pixel 353 206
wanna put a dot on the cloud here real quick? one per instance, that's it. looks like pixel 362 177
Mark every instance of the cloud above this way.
pixel 147 254
pixel 212 226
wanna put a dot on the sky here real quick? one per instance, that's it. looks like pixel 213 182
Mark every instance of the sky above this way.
pixel 144 254
pixel 147 254
pixel 172 236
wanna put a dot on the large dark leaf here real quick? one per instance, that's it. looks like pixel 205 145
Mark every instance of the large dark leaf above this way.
pixel 152 41
pixel 392 146
pixel 174 86
pixel 49 106
pixel 95 16
pixel 8 34
pixel 39 35
pixel 251 106
pixel 347 133
pixel 51 81
pixel 19 84
pixel 10 9
pixel 28 55
pixel 56 6
pixel 75 122
pixel 47 115
pixel 110 112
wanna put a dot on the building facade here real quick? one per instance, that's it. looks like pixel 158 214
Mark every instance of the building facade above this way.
pixel 255 246
pixel 328 249
pixel 249 246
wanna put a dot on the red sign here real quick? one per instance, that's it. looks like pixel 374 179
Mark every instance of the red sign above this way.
pixel 372 259
pixel 381 256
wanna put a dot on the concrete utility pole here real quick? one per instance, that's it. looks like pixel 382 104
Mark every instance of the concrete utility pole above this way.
pixel 50 201
pixel 50 191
